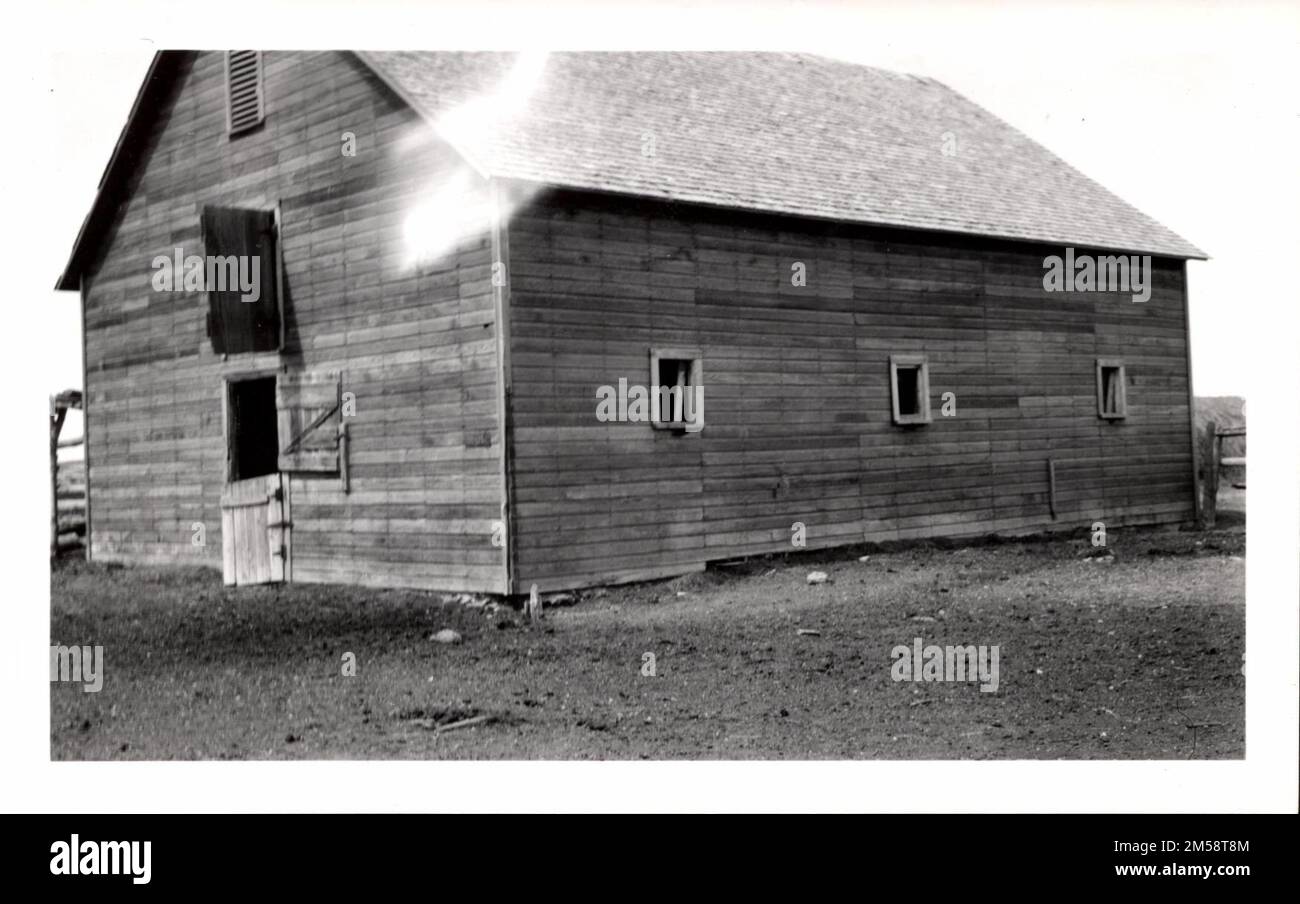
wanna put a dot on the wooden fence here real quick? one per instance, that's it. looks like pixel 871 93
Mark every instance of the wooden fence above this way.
pixel 67 483
pixel 1212 463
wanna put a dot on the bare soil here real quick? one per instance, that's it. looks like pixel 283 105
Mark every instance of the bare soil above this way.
pixel 1135 655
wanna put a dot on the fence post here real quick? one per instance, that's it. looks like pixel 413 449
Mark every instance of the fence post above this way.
pixel 57 414
pixel 1209 474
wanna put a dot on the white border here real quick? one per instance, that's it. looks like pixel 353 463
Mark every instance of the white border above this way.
pixel 1265 781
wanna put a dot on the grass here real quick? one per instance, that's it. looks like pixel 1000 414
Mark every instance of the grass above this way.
pixel 1138 656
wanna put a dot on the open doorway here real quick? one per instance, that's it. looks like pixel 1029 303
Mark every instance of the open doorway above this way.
pixel 251 433
pixel 255 520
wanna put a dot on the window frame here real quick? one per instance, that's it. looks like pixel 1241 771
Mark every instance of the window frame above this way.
pixel 922 364
pixel 696 378
pixel 1121 412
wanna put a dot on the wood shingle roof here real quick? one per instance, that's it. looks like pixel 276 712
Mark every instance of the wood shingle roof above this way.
pixel 786 133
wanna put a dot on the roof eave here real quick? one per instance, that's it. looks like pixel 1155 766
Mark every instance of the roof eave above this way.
pixel 1190 253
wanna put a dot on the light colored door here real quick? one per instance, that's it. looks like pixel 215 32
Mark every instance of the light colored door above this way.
pixel 255 530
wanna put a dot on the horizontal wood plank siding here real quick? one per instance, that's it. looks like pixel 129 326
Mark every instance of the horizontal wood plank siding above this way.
pixel 797 397
pixel 416 345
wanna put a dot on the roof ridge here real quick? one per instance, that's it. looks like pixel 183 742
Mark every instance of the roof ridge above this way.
pixel 882 148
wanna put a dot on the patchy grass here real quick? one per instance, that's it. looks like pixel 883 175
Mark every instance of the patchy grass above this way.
pixel 1137 657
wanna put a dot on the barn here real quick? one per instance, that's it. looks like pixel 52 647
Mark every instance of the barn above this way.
pixel 450 320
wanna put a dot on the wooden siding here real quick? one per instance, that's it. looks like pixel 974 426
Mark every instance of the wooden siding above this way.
pixel 797 399
pixel 417 346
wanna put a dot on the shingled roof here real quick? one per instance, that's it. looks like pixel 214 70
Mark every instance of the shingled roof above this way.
pixel 785 133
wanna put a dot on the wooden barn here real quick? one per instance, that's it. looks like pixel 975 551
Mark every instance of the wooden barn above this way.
pixel 391 319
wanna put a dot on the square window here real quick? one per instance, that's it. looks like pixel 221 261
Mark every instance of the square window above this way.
pixel 1112 392
pixel 677 389
pixel 909 380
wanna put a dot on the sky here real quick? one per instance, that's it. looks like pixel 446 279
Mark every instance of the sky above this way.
pixel 1186 111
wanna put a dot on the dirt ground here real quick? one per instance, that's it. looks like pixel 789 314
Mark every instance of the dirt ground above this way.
pixel 1137 655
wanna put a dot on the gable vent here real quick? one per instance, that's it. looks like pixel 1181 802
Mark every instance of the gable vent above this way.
pixel 245 108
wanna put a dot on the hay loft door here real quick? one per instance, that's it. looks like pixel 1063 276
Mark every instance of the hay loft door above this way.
pixel 255 530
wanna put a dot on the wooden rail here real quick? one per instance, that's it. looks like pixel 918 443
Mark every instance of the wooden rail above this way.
pixel 67 484
pixel 1211 461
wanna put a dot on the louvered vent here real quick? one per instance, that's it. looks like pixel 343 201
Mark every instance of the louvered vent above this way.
pixel 244 89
